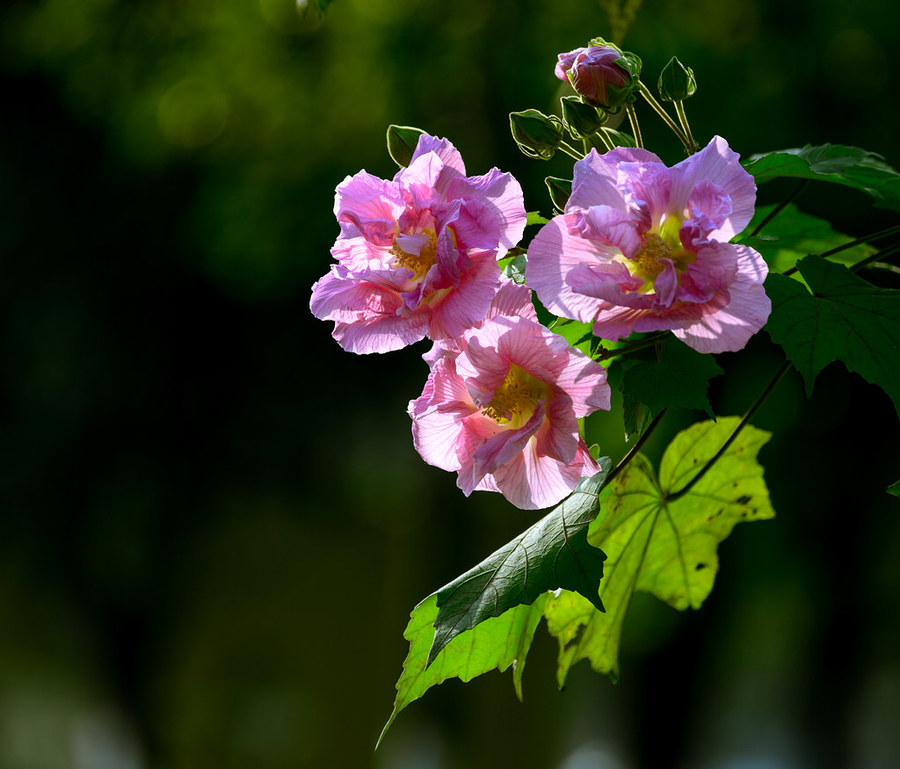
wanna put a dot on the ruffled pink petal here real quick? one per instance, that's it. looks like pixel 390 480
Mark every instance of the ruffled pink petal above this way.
pixel 495 211
pixel 719 164
pixel 514 301
pixel 595 177
pixel 445 151
pixel 611 227
pixel 367 206
pixel 438 416
pixel 553 253
pixel 646 187
pixel 729 329
pixel 610 283
pixel 710 206
pixel 495 452
pixel 467 304
pixel 532 482
pixel 380 334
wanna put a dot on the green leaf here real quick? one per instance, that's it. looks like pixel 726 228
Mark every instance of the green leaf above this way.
pixel 533 217
pixel 660 543
pixel 496 643
pixel 553 553
pixel 849 166
pixel 792 234
pixel 513 267
pixel 671 375
pixel 844 318
pixel 576 333
pixel 894 489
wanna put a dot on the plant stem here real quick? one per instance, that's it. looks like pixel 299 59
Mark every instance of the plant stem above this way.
pixel 571 151
pixel 858 242
pixel 686 127
pixel 606 141
pixel 658 108
pixel 634 449
pixel 779 208
pixel 635 127
pixel 632 347
pixel 741 425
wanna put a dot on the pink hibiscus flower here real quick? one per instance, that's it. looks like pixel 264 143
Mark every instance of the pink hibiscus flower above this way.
pixel 503 412
pixel 417 256
pixel 643 247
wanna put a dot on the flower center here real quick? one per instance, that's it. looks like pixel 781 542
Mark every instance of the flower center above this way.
pixel 418 263
pixel 648 263
pixel 514 400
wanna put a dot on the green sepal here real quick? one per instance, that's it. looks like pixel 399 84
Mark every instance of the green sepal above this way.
pixel 560 190
pixel 581 120
pixel 401 143
pixel 538 135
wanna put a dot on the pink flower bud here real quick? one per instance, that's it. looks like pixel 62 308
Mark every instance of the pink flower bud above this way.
pixel 602 75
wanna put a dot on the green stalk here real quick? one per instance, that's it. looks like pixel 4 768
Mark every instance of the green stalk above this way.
pixel 786 366
pixel 686 127
pixel 571 151
pixel 635 127
pixel 658 108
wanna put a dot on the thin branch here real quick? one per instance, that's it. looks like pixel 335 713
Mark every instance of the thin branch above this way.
pixel 741 425
pixel 779 208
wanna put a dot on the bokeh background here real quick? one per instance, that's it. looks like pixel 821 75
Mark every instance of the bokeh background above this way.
pixel 213 524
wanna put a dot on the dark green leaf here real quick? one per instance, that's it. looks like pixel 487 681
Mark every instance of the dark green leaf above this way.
pixel 661 545
pixel 673 375
pixel 894 489
pixel 792 234
pixel 496 643
pixel 844 318
pixel 835 163
pixel 554 553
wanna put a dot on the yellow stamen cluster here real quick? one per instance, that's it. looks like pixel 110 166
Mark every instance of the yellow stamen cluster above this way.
pixel 421 263
pixel 647 264
pixel 514 400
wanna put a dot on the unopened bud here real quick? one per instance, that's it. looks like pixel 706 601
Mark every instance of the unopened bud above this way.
pixel 538 135
pixel 401 143
pixel 602 74
pixel 676 82
pixel 582 120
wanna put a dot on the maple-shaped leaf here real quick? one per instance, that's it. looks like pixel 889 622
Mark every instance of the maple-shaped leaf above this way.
pixel 498 642
pixel 660 541
pixel 849 166
pixel 553 553
pixel 792 234
pixel 671 374
pixel 845 318
pixel 486 618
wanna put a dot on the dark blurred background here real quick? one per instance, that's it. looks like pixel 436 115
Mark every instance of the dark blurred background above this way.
pixel 214 524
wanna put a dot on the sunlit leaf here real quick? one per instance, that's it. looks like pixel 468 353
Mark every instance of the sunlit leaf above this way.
pixel 844 318
pixel 513 267
pixel 486 618
pixel 498 643
pixel 533 217
pixel 849 166
pixel 659 542
pixel 553 553
pixel 792 235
